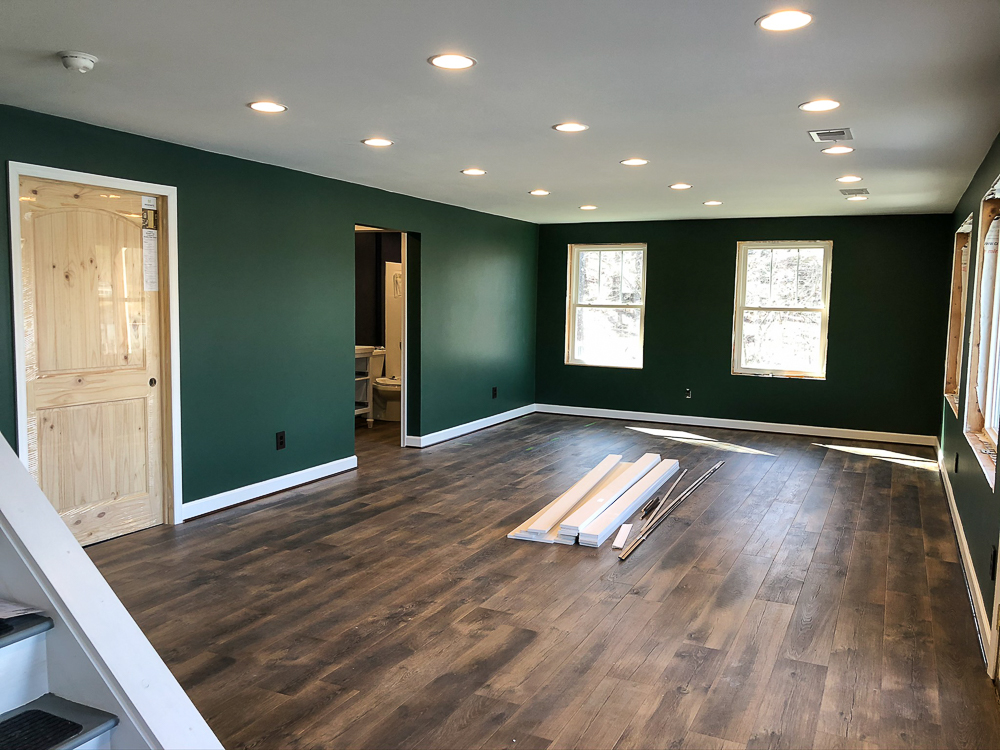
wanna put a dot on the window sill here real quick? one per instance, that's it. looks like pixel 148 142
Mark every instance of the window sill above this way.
pixel 952 399
pixel 789 375
pixel 607 367
pixel 986 462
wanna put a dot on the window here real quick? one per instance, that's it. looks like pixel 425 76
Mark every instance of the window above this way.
pixel 956 314
pixel 982 407
pixel 606 306
pixel 782 308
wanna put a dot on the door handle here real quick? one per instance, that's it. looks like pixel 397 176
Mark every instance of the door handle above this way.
pixel 152 382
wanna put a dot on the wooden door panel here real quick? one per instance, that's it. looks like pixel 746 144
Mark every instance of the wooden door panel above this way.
pixel 92 358
pixel 92 453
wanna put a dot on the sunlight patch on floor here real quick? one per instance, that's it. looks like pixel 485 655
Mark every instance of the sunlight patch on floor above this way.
pixel 690 438
pixel 915 462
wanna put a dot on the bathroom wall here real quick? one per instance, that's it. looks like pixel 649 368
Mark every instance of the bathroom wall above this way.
pixel 372 250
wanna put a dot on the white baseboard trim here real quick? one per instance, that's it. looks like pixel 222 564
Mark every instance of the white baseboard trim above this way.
pixel 464 429
pixel 267 487
pixel 740 424
pixel 971 581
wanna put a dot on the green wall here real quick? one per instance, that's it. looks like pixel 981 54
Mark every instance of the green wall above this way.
pixel 266 264
pixel 977 503
pixel 889 299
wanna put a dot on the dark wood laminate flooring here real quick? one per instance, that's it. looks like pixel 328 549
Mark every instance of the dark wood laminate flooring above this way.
pixel 803 597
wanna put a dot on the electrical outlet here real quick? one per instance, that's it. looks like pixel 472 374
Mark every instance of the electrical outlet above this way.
pixel 494 391
pixel 687 393
pixel 279 440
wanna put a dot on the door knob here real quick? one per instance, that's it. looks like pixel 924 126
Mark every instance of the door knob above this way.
pixel 152 382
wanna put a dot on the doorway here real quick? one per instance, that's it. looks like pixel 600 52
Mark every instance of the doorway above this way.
pixel 95 309
pixel 381 381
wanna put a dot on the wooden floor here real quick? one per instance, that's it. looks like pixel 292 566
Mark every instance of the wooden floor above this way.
pixel 803 597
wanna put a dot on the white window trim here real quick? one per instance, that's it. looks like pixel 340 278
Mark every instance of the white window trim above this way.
pixel 742 252
pixel 573 267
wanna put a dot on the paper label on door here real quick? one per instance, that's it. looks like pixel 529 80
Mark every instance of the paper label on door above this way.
pixel 150 261
pixel 148 202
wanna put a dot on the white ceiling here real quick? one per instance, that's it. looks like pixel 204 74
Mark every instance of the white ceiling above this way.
pixel 691 85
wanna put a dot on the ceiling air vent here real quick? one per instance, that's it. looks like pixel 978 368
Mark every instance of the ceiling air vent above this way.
pixel 828 136
pixel 854 191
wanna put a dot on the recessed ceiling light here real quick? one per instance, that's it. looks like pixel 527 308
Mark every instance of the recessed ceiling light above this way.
pixel 713 203
pixel 451 62
pixel 570 127
pixel 634 162
pixel 587 208
pixel 836 150
pixel 378 142
pixel 857 197
pixel 268 107
pixel 474 171
pixel 539 192
pixel 785 20
pixel 681 186
pixel 819 105
pixel 849 178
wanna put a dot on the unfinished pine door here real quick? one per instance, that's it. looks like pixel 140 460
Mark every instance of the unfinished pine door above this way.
pixel 92 355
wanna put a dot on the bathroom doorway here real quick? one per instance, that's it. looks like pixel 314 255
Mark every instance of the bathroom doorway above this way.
pixel 380 336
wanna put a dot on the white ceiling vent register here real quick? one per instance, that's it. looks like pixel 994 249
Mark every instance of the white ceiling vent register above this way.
pixel 854 191
pixel 828 136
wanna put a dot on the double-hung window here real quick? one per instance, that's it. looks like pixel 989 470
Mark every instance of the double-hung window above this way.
pixel 606 305
pixel 782 309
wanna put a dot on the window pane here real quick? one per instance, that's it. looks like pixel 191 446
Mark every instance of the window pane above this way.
pixel 608 336
pixel 784 277
pixel 611 277
pixel 632 277
pixel 589 281
pixel 758 292
pixel 782 340
pixel 811 277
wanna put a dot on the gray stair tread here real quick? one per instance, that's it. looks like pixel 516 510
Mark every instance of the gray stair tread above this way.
pixel 24 626
pixel 94 721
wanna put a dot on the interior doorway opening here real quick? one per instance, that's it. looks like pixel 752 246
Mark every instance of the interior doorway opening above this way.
pixel 380 323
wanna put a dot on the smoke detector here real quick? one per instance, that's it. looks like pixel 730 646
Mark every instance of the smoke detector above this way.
pixel 835 134
pixel 81 62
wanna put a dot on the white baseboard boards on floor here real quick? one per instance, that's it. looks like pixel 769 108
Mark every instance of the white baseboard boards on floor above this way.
pixel 739 424
pixel 434 438
pixel 260 489
pixel 971 581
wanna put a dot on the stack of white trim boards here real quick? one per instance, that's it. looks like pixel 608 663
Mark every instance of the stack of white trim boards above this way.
pixel 593 508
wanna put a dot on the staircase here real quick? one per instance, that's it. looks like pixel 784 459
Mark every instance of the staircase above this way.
pixel 81 675
pixel 32 718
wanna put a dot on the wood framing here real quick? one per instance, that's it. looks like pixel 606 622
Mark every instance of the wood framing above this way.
pixel 956 313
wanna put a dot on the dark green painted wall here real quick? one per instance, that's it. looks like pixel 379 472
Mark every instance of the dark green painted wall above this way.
pixel 266 264
pixel 977 503
pixel 889 299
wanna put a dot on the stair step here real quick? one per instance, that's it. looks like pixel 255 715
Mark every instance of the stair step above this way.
pixel 53 723
pixel 14 629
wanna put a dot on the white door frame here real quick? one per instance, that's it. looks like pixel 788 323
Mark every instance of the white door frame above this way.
pixel 15 171
pixel 405 357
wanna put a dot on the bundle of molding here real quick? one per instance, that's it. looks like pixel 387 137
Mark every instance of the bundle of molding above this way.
pixel 595 533
pixel 591 509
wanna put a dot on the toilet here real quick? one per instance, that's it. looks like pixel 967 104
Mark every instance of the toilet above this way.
pixel 387 393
